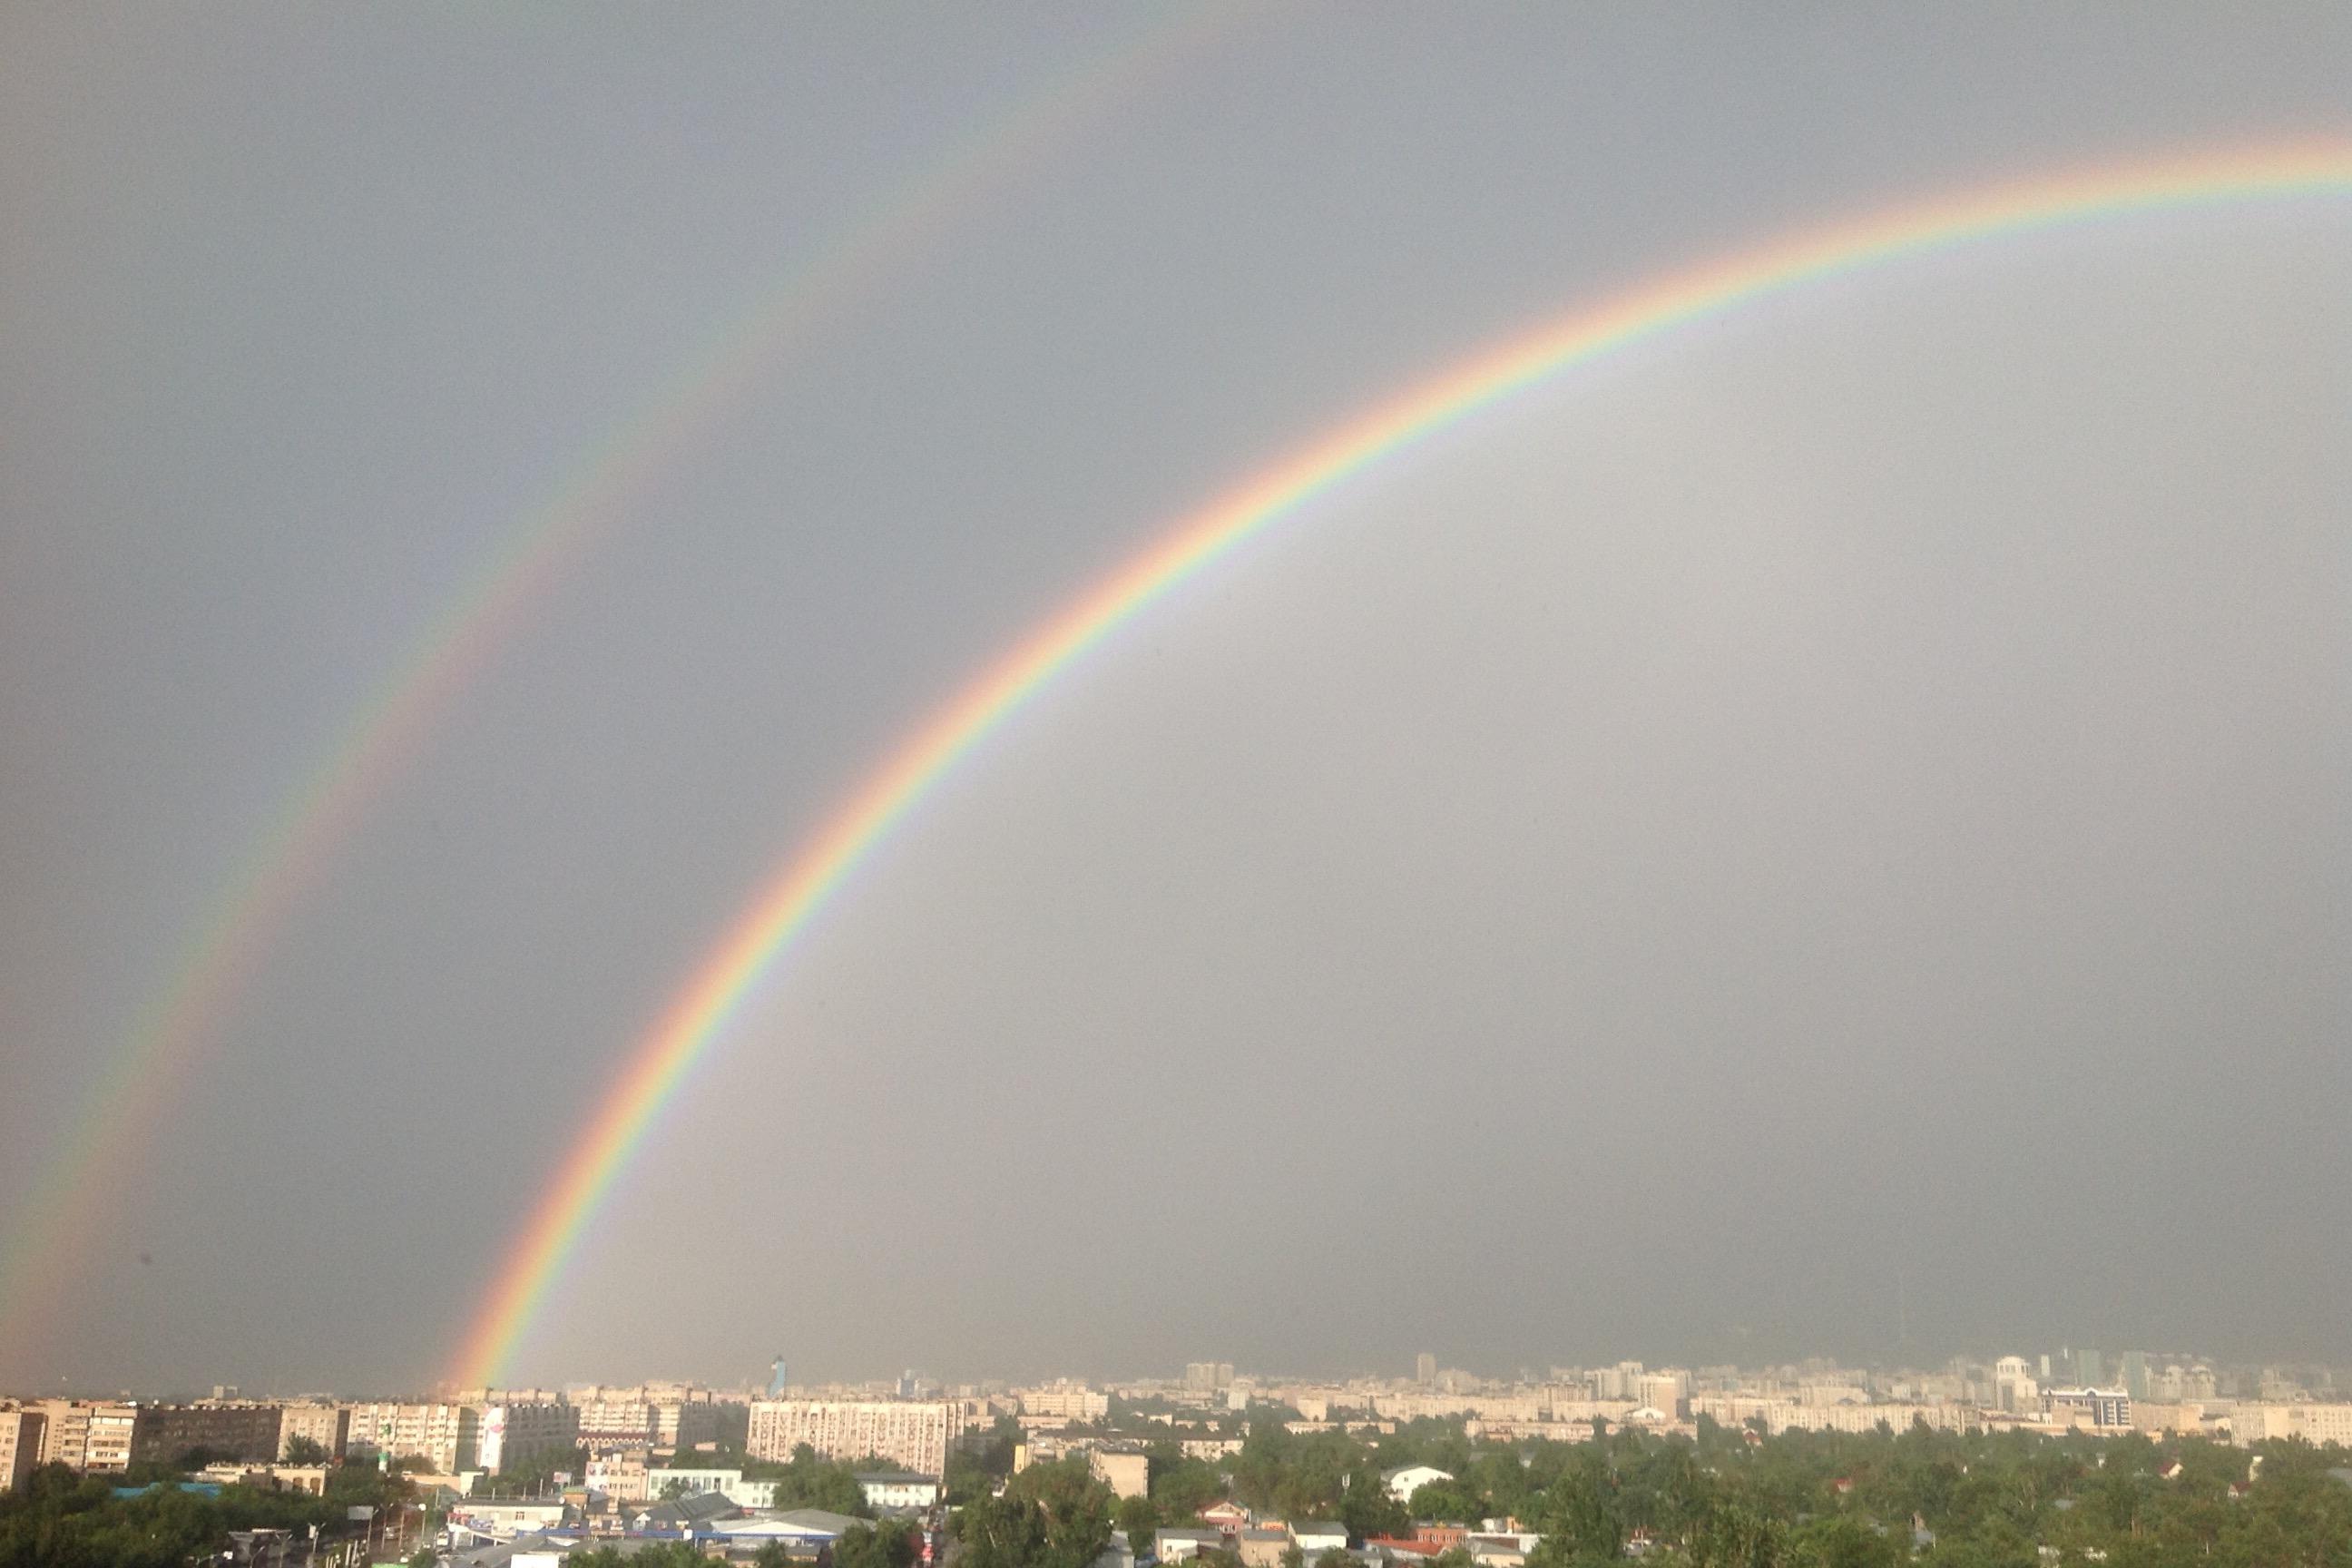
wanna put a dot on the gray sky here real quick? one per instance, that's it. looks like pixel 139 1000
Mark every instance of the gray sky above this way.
pixel 1851 792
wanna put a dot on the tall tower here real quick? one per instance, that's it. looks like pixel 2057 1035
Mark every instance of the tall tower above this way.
pixel 1425 1369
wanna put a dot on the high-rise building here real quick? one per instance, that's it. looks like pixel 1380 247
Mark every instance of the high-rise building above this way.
pixel 2090 1370
pixel 2131 1371
pixel 1425 1369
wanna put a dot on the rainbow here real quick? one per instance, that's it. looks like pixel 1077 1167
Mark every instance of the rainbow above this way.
pixel 802 887
pixel 292 857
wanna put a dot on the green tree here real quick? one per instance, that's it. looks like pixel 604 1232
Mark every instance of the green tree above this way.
pixel 1448 1500
pixel 890 1544
pixel 1138 1518
pixel 1367 1508
pixel 301 1451
pixel 1184 1487
pixel 1051 1516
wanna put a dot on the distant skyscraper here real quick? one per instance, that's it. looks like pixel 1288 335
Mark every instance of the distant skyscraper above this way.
pixel 1425 1369
pixel 2131 1367
pixel 2090 1370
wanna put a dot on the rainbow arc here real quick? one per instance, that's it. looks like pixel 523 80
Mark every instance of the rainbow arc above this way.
pixel 812 877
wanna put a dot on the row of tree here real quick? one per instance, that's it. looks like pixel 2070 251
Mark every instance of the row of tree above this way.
pixel 1921 1498
pixel 62 1520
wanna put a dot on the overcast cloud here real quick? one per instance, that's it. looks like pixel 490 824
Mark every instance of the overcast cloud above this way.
pixel 1850 793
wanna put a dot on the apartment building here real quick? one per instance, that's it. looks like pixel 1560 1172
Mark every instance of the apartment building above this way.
pixel 446 1436
pixel 911 1434
pixel 244 1431
pixel 1735 1410
pixel 109 1437
pixel 90 1435
pixel 20 1446
pixel 615 1421
pixel 515 1431
pixel 324 1424
pixel 1065 1401
pixel 2317 1424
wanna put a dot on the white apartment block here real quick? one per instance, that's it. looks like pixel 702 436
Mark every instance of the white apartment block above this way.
pixel 446 1436
pixel 1064 1401
pixel 512 1433
pixel 911 1434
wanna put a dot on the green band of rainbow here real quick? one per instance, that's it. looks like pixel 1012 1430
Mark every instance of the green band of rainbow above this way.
pixel 65 1208
pixel 785 907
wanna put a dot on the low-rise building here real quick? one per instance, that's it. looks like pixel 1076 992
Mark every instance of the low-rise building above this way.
pixel 1315 1537
pixel 1407 1479
pixel 899 1491
pixel 1184 1546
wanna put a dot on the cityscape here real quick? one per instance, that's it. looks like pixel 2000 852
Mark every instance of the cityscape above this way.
pixel 754 753
pixel 1216 1463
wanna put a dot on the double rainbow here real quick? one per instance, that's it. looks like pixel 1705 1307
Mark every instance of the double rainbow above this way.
pixel 809 880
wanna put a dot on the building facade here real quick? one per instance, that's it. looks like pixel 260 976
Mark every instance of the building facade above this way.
pixel 446 1436
pixel 20 1446
pixel 90 1435
pixel 325 1425
pixel 511 1433
pixel 244 1431
pixel 1064 1401
pixel 911 1434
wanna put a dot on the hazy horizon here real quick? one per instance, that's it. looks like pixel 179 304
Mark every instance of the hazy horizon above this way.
pixel 1833 818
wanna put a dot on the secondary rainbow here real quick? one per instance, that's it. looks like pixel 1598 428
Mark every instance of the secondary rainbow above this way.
pixel 816 870
pixel 64 1207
